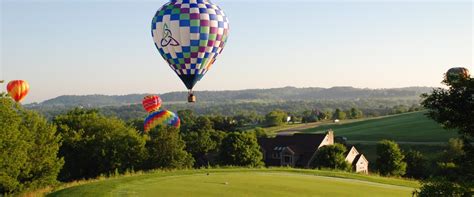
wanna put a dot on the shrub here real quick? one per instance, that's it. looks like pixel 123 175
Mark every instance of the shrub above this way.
pixel 331 156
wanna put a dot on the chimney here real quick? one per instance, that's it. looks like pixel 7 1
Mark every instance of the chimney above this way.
pixel 330 136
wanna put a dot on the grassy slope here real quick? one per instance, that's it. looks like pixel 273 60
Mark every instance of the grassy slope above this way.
pixel 245 182
pixel 409 127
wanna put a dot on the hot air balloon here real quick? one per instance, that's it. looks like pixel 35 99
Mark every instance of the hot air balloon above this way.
pixel 161 117
pixel 151 103
pixel 454 75
pixel 18 89
pixel 190 34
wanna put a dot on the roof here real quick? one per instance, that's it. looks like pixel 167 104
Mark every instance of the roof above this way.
pixel 357 158
pixel 304 146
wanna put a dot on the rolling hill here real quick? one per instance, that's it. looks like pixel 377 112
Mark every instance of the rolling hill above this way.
pixel 407 127
pixel 275 94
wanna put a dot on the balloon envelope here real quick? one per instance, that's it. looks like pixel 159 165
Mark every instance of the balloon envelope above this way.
pixel 162 117
pixel 151 103
pixel 18 89
pixel 190 34
pixel 456 74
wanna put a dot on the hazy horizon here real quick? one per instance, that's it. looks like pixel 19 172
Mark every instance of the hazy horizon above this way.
pixel 105 47
pixel 159 93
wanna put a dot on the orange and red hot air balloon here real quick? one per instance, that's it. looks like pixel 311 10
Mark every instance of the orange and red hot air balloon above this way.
pixel 151 103
pixel 18 89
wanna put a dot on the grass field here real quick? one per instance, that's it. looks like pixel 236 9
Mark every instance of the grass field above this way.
pixel 409 127
pixel 245 182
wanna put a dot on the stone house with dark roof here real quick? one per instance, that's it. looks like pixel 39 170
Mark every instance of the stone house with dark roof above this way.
pixel 299 150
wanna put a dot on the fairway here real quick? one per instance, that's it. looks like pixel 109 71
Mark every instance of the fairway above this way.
pixel 409 127
pixel 242 183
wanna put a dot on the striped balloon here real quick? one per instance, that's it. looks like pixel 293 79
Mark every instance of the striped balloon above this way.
pixel 18 89
pixel 162 117
pixel 151 103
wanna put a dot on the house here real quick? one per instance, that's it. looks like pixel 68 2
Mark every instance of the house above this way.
pixel 299 150
pixel 295 150
pixel 357 160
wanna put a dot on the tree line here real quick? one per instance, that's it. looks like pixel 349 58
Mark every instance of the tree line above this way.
pixel 83 144
pixel 369 107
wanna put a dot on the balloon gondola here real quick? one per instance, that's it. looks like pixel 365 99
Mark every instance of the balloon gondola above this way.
pixel 189 35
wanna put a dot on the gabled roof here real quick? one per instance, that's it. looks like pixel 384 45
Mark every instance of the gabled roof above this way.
pixel 348 153
pixel 303 145
pixel 359 157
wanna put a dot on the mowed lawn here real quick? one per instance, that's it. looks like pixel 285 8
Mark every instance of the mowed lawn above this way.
pixel 256 182
pixel 408 127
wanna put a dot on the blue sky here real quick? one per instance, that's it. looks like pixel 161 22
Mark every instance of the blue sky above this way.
pixel 105 47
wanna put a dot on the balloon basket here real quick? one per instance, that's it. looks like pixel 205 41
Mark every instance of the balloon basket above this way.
pixel 191 98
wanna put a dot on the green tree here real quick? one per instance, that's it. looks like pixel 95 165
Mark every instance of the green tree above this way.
pixel 14 149
pixel 166 149
pixel 138 124
pixel 260 132
pixel 331 156
pixel 309 116
pixel 201 140
pixel 355 113
pixel 94 144
pixel 188 119
pixel 28 149
pixel 325 115
pixel 339 114
pixel 240 149
pixel 453 151
pixel 389 160
pixel 416 164
pixel 276 118
pixel 223 123
pixel 441 187
pixel 454 108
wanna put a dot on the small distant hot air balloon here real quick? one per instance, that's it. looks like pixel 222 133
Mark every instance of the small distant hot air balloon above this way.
pixel 190 34
pixel 457 74
pixel 151 103
pixel 162 117
pixel 18 89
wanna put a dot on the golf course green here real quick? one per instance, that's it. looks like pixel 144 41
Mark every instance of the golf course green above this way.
pixel 244 182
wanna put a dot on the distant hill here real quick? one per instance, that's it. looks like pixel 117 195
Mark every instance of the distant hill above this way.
pixel 265 95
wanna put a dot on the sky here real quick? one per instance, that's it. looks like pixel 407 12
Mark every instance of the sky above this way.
pixel 80 47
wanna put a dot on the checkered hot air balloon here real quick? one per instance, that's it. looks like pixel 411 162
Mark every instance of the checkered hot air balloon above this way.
pixel 18 89
pixel 151 103
pixel 163 118
pixel 190 34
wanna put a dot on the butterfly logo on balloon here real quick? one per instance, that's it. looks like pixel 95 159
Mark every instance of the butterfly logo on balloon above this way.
pixel 168 37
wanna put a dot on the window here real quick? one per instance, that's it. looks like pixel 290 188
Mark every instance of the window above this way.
pixel 275 155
